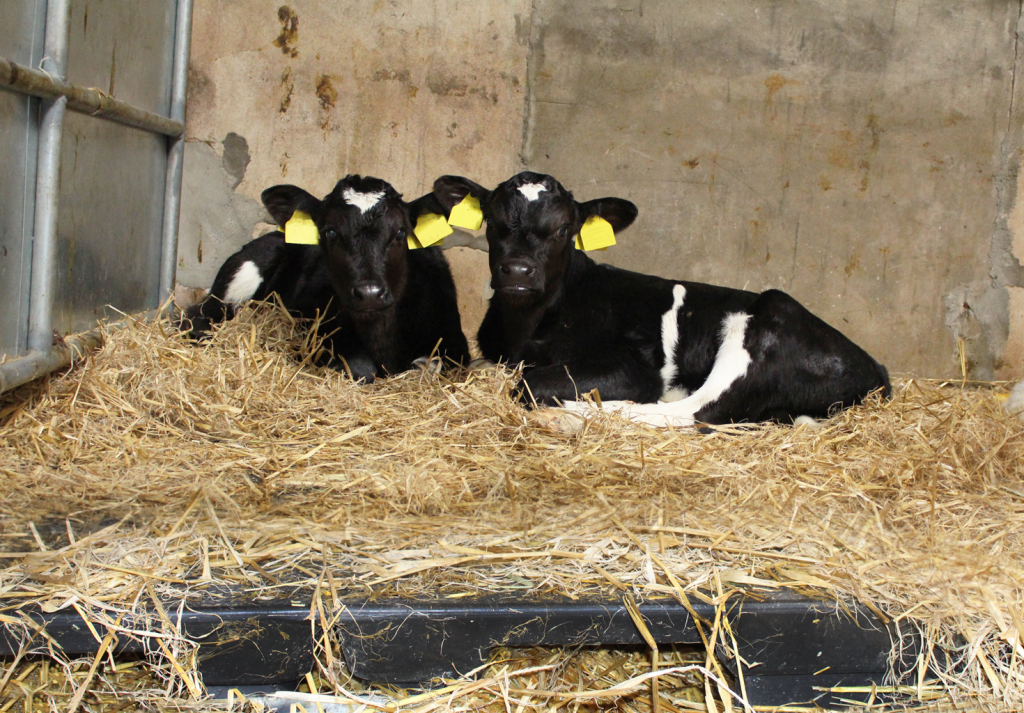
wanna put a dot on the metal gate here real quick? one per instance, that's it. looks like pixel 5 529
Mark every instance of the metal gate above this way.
pixel 89 199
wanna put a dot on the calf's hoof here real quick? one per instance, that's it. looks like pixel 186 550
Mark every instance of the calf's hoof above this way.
pixel 428 364
pixel 359 368
pixel 556 419
pixel 811 423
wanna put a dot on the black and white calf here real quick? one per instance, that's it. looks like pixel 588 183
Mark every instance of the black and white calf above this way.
pixel 383 306
pixel 708 354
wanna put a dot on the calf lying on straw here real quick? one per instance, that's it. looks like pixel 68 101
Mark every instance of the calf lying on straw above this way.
pixel 347 260
pixel 708 354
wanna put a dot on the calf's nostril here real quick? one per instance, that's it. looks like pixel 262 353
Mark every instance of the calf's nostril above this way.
pixel 369 292
pixel 517 269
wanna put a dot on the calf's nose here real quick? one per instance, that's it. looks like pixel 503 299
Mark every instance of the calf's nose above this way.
pixel 516 271
pixel 370 295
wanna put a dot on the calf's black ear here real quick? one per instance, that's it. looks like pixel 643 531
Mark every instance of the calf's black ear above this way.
pixel 426 204
pixel 282 201
pixel 450 190
pixel 617 211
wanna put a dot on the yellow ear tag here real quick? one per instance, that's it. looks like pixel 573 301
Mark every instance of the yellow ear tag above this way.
pixel 467 214
pixel 301 230
pixel 431 228
pixel 596 234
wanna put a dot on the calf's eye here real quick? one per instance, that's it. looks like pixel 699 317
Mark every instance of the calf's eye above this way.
pixel 401 233
pixel 561 232
pixel 330 234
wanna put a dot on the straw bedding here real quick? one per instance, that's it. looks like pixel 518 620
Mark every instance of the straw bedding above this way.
pixel 157 467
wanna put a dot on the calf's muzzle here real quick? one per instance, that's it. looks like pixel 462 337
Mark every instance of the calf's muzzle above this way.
pixel 371 295
pixel 516 274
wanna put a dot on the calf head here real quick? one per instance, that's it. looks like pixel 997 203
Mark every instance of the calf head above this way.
pixel 363 224
pixel 532 223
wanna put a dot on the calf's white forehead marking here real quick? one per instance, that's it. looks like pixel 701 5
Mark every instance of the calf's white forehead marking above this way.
pixel 244 284
pixel 532 190
pixel 670 338
pixel 362 201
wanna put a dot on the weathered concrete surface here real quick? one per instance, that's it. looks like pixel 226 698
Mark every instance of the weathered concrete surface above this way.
pixel 318 89
pixel 309 92
pixel 215 219
pixel 844 152
pixel 861 155
pixel 1012 359
pixel 472 275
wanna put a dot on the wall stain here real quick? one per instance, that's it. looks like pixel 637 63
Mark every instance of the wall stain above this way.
pixel 443 85
pixel 236 158
pixel 875 129
pixel 448 85
pixel 113 68
pixel 775 82
pixel 402 76
pixel 328 96
pixel 462 148
pixel 326 92
pixel 393 75
pixel 289 31
pixel 839 158
pixel 289 87
pixel 199 83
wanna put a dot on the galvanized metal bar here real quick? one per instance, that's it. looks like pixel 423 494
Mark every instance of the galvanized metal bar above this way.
pixel 51 135
pixel 44 234
pixel 176 152
pixel 65 353
pixel 55 42
pixel 46 85
pixel 25 369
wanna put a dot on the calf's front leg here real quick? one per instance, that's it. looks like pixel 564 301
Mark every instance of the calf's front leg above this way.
pixel 615 373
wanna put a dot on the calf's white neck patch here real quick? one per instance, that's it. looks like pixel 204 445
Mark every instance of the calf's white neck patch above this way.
pixel 670 338
pixel 244 284
pixel 532 190
pixel 362 201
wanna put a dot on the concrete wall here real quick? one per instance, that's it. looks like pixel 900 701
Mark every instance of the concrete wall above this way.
pixel 309 92
pixel 861 155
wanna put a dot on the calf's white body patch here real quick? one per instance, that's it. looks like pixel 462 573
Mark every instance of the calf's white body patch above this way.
pixel 731 364
pixel 362 201
pixel 244 284
pixel 669 340
pixel 808 421
pixel 676 393
pixel 532 190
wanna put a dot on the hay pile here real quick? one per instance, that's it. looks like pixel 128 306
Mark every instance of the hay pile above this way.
pixel 157 467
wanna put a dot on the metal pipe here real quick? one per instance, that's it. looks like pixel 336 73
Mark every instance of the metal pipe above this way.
pixel 51 136
pixel 21 371
pixel 176 152
pixel 55 42
pixel 68 351
pixel 44 239
pixel 47 85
